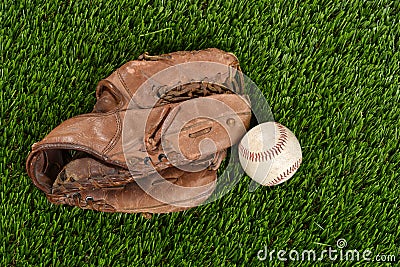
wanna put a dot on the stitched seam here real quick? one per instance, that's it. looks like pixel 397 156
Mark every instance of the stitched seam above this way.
pixel 267 154
pixel 116 137
pixel 123 83
pixel 285 174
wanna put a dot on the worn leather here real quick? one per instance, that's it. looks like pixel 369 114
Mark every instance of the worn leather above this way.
pixel 154 140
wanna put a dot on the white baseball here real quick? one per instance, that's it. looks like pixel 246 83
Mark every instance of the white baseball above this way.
pixel 270 153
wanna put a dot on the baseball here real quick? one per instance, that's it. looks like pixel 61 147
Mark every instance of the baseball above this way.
pixel 270 153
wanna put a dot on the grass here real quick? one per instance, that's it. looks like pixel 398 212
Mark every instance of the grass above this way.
pixel 329 70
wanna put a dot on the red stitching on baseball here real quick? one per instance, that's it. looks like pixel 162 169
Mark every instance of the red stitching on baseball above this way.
pixel 285 174
pixel 270 153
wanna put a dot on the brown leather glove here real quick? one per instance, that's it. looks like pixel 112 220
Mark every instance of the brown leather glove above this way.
pixel 154 140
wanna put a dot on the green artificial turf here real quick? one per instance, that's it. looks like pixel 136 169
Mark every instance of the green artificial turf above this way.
pixel 328 69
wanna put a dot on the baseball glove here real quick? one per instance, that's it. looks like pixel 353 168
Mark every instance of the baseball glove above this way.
pixel 158 132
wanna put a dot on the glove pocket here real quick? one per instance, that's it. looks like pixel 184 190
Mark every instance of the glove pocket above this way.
pixel 201 127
